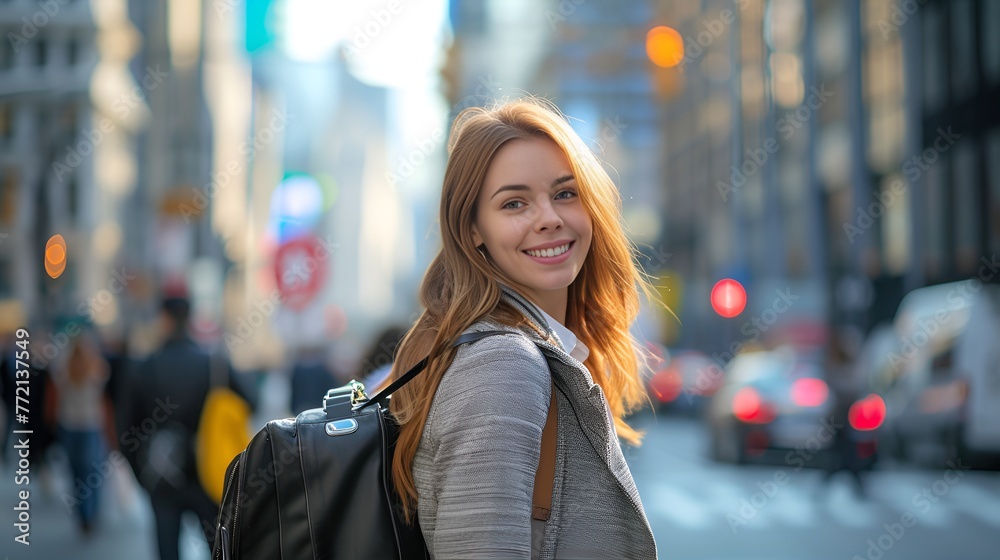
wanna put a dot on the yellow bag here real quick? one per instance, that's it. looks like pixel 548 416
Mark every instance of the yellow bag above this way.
pixel 223 433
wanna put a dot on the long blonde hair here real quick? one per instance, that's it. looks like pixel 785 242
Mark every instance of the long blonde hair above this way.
pixel 460 287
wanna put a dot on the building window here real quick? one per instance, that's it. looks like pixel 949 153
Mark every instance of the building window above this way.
pixel 8 197
pixel 934 75
pixel 72 52
pixel 6 288
pixel 963 49
pixel 73 199
pixel 41 52
pixel 993 159
pixel 6 54
pixel 990 39
pixel 6 121
pixel 934 235
pixel 966 208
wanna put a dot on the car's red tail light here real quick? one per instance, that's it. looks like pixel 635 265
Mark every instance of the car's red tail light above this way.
pixel 809 392
pixel 750 408
pixel 867 414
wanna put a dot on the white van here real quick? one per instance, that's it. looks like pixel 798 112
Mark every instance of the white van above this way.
pixel 977 361
pixel 938 369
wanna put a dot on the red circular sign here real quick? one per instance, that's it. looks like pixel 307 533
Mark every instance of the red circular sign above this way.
pixel 300 267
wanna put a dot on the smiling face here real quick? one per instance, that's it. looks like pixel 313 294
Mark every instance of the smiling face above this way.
pixel 532 223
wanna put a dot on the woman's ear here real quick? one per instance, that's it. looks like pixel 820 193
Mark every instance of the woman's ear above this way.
pixel 477 239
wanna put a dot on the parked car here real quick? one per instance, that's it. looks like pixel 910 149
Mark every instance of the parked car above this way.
pixel 938 368
pixel 683 381
pixel 777 406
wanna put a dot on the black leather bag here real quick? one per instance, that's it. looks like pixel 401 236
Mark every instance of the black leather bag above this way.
pixel 319 486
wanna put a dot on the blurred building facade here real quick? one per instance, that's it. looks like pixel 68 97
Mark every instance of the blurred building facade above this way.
pixel 162 141
pixel 69 114
pixel 808 148
pixel 802 148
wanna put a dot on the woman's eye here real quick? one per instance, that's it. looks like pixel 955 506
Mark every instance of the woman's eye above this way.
pixel 512 205
pixel 565 194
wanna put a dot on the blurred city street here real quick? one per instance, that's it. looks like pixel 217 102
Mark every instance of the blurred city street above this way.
pixel 125 529
pixel 701 510
pixel 698 509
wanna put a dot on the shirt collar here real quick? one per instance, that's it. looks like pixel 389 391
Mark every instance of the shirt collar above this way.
pixel 566 339
pixel 569 342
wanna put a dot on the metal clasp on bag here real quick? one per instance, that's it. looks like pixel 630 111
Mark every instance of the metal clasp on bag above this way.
pixel 354 391
pixel 358 395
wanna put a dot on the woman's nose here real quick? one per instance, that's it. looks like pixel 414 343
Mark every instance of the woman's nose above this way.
pixel 548 217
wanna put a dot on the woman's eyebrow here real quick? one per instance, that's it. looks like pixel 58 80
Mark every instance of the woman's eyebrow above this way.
pixel 519 187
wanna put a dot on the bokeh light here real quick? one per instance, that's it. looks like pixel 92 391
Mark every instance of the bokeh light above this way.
pixel 665 46
pixel 728 298
pixel 55 256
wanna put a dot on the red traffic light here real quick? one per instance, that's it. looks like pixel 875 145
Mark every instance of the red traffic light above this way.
pixel 728 298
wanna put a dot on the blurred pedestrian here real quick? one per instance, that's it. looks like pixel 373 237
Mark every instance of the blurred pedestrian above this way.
pixel 844 391
pixel 531 246
pixel 81 416
pixel 377 362
pixel 311 378
pixel 164 398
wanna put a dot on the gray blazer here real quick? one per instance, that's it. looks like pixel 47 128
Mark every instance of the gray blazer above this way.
pixel 475 466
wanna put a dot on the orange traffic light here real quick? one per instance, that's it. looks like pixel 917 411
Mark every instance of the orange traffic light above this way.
pixel 665 46
pixel 55 256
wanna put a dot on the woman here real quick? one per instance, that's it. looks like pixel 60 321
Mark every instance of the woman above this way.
pixel 80 415
pixel 532 245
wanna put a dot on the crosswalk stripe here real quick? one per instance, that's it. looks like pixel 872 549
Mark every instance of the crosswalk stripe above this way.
pixel 797 504
pixel 982 505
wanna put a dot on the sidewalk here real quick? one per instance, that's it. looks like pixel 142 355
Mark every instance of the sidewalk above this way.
pixel 124 530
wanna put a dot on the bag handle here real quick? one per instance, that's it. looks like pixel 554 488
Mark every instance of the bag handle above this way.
pixel 541 497
pixel 415 370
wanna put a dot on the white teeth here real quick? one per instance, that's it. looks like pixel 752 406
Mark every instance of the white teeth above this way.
pixel 550 252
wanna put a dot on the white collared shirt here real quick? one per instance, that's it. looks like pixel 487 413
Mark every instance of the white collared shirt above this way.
pixel 572 345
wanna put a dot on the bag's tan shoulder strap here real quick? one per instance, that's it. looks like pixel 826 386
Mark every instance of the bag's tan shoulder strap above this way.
pixel 541 499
